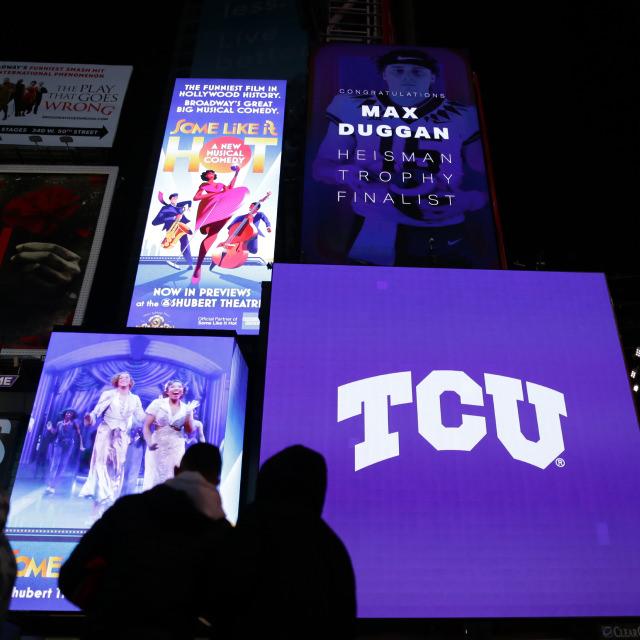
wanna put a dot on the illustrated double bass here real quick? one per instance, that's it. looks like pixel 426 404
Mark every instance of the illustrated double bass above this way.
pixel 233 252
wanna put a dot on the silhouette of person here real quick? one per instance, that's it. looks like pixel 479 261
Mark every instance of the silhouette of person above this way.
pixel 8 567
pixel 45 449
pixel 39 95
pixel 67 433
pixel 138 572
pixel 29 96
pixel 133 460
pixel 18 95
pixel 6 95
pixel 295 571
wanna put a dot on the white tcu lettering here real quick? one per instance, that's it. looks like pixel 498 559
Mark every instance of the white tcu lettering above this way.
pixel 472 428
pixel 549 404
pixel 370 395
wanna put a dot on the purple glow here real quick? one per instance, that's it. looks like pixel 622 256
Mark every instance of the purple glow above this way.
pixel 475 533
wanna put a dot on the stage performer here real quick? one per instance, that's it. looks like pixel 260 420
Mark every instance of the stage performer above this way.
pixel 117 407
pixel 166 445
pixel 174 211
pixel 66 433
pixel 45 450
pixel 217 204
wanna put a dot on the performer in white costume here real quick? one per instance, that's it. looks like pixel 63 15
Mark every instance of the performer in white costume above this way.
pixel 117 407
pixel 166 444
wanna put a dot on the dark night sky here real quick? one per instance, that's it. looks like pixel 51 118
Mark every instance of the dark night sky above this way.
pixel 559 88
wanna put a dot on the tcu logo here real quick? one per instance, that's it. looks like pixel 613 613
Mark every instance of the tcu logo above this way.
pixel 380 444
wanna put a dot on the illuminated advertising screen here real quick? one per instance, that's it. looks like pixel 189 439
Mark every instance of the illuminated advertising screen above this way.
pixel 52 221
pixel 12 429
pixel 84 446
pixel 58 105
pixel 209 238
pixel 395 172
pixel 479 431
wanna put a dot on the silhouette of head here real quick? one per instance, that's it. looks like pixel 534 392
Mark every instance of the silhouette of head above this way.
pixel 205 459
pixel 297 475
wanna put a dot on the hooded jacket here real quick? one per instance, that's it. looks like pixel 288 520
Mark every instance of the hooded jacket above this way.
pixel 299 581
pixel 141 569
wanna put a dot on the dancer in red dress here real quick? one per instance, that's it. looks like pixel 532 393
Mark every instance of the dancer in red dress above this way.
pixel 217 202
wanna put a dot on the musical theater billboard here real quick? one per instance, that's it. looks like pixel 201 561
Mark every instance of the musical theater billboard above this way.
pixel 56 104
pixel 209 237
pixel 91 440
pixel 395 172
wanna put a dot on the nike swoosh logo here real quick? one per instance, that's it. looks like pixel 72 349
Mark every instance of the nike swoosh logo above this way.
pixel 453 242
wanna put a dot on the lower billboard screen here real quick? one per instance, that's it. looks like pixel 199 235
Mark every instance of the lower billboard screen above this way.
pixel 84 447
pixel 479 431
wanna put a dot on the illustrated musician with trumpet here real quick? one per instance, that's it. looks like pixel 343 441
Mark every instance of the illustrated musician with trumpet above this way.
pixel 172 217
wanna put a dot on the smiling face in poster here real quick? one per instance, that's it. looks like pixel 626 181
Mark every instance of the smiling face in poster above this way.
pixel 209 237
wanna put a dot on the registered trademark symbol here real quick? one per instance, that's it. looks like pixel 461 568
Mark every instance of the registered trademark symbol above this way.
pixel 560 462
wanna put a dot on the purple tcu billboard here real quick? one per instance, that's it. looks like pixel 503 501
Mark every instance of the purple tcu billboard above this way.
pixel 479 431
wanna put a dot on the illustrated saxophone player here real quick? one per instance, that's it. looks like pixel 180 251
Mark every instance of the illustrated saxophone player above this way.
pixel 172 217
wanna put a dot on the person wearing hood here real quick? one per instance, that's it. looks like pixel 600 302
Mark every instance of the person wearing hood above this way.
pixel 8 566
pixel 139 571
pixel 296 575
